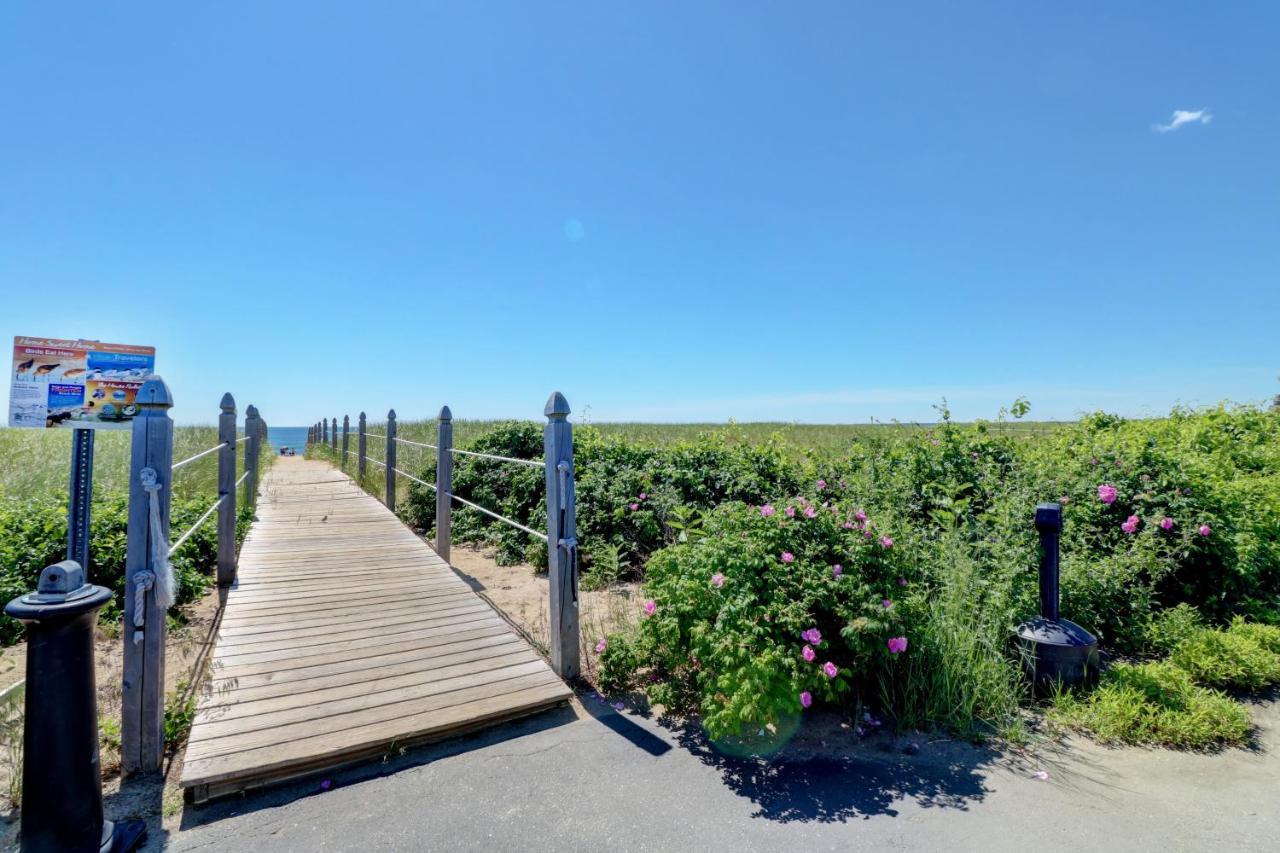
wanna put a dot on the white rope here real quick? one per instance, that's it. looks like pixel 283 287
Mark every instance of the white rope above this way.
pixel 530 462
pixel 503 519
pixel 191 459
pixel 430 486
pixel 159 574
pixel 193 528
pixel 242 438
pixel 416 443
pixel 243 477
pixel 372 435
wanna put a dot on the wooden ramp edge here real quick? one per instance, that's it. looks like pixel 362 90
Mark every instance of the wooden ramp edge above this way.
pixel 344 639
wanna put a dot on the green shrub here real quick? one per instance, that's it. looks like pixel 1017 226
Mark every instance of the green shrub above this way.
pixel 1155 704
pixel 1266 636
pixel 1170 627
pixel 727 635
pixel 1227 659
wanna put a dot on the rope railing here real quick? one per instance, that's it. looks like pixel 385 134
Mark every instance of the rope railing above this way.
pixel 532 463
pixel 373 435
pixel 242 438
pixel 202 453
pixel 501 518
pixel 182 540
pixel 414 443
pixel 243 477
pixel 431 486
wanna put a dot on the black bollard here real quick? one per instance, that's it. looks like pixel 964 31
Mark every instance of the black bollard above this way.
pixel 1059 652
pixel 61 777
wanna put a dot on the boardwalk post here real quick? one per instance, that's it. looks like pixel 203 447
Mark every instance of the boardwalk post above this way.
pixel 150 474
pixel 227 491
pixel 390 458
pixel 361 449
pixel 253 429
pixel 562 546
pixel 333 439
pixel 324 430
pixel 444 482
pixel 346 438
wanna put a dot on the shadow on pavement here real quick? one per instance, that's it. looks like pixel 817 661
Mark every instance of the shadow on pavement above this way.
pixel 830 788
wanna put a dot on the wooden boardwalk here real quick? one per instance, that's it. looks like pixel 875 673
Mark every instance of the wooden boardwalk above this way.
pixel 345 637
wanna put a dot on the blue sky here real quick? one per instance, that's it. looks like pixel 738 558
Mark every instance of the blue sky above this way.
pixel 816 212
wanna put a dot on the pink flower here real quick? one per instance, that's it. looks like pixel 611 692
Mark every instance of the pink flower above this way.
pixel 602 645
pixel 886 541
pixel 635 507
pixel 861 515
pixel 867 534
pixel 810 512
pixel 767 510
pixel 1064 499
pixel 1107 493
pixel 848 525
pixel 813 635
pixel 829 670
pixel 717 580
pixel 788 557
pixel 650 607
pixel 1166 523
pixel 886 603
pixel 790 511
pixel 643 496
pixel 902 581
pixel 808 653
pixel 1130 524
pixel 806 699
pixel 897 645
pixel 1205 530
pixel 837 570
pixel 822 484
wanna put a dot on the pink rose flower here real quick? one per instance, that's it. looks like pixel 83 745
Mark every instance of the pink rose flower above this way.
pixel 902 581
pixel 602 645
pixel 897 645
pixel 643 496
pixel 822 484
pixel 810 512
pixel 886 541
pixel 650 607
pixel 813 635
pixel 1205 530
pixel 790 511
pixel 717 580
pixel 861 515
pixel 767 510
pixel 848 525
pixel 1166 523
pixel 635 507
pixel 886 603
pixel 837 570
pixel 1107 493
pixel 1130 524
pixel 806 699
pixel 808 653
pixel 829 670
pixel 788 557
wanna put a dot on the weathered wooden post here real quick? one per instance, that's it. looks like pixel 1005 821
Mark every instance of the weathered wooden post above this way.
pixel 324 430
pixel 444 482
pixel 562 546
pixel 146 560
pixel 346 438
pixel 391 460
pixel 227 491
pixel 252 428
pixel 333 439
pixel 361 449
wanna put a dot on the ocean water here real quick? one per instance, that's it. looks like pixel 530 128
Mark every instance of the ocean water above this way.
pixel 293 437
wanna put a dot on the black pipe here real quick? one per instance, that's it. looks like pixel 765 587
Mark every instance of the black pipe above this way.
pixel 1049 523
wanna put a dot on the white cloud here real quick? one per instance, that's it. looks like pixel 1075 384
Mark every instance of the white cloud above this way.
pixel 1181 117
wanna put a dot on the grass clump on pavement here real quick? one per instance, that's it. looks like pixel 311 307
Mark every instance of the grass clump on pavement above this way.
pixel 1228 659
pixel 1155 704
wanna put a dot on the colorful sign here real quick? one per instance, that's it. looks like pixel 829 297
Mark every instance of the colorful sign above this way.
pixel 76 384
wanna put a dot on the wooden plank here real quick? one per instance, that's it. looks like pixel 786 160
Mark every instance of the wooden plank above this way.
pixel 343 634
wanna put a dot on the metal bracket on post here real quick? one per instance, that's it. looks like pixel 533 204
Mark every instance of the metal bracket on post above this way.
pixel 78 510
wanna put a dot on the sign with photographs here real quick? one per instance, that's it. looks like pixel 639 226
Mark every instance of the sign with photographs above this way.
pixel 76 384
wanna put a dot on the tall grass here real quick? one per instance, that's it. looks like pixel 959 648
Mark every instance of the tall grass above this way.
pixel 960 674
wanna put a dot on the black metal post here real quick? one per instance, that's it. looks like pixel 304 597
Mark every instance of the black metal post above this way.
pixel 61 777
pixel 1049 523
pixel 81 487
